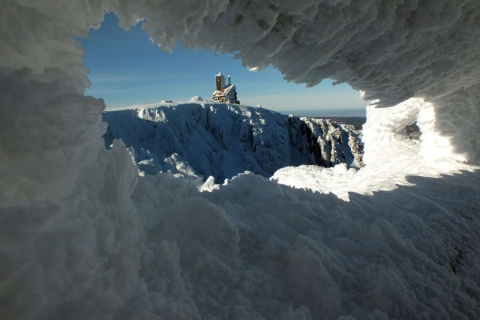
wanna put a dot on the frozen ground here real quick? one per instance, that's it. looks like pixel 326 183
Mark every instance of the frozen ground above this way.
pixel 82 236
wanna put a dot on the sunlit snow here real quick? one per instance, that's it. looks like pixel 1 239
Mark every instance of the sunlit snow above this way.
pixel 391 155
pixel 199 140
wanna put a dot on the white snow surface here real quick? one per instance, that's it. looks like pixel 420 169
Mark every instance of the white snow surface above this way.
pixel 385 137
pixel 82 236
pixel 222 140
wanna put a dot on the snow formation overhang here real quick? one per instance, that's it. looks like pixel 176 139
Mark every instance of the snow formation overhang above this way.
pixel 390 50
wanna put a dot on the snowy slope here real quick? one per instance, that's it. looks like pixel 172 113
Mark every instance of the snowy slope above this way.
pixel 222 140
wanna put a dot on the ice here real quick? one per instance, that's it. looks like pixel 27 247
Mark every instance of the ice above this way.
pixel 82 236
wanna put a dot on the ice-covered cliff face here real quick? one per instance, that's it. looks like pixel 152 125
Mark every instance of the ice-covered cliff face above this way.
pixel 222 140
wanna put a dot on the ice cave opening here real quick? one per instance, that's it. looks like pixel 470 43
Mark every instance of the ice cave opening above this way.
pixel 83 236
pixel 205 139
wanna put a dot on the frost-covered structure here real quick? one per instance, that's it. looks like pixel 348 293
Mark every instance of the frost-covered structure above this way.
pixel 223 140
pixel 82 236
pixel 225 92
pixel 196 98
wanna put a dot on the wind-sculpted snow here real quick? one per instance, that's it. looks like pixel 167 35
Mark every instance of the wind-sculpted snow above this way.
pixel 391 154
pixel 391 50
pixel 82 236
pixel 223 140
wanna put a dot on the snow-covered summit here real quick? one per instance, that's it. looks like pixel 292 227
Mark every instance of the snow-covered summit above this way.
pixel 222 140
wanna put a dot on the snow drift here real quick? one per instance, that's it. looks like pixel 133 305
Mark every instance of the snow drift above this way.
pixel 222 140
pixel 82 236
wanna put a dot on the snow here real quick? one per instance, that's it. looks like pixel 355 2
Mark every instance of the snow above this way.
pixel 83 236
pixel 223 140
pixel 390 155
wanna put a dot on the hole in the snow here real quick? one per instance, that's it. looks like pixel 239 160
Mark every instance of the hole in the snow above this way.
pixel 126 69
pixel 144 87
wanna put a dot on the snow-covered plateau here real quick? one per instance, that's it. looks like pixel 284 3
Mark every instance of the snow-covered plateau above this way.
pixel 221 140
pixel 83 236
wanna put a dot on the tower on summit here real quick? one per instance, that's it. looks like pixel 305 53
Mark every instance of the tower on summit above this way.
pixel 225 93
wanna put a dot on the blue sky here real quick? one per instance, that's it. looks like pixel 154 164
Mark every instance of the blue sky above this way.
pixel 126 68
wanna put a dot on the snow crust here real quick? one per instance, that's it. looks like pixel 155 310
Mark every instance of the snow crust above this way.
pixel 82 236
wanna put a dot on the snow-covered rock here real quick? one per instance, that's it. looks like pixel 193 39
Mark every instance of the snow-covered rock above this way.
pixel 222 140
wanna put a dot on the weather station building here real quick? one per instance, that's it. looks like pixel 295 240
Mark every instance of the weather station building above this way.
pixel 225 92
